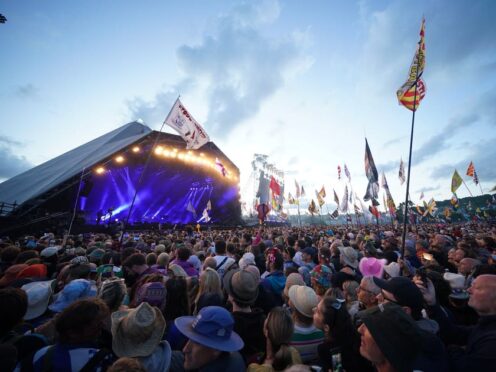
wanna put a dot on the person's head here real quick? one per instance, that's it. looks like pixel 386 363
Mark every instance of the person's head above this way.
pixel 332 317
pixel 483 294
pixel 209 334
pixel 81 321
pixel 210 262
pixel 209 282
pixel 350 290
pixel 151 259
pixel 278 330
pixel 459 255
pixel 220 247
pixel 274 260
pixel 389 337
pixel 135 263
pixel 302 300
pixel 320 278
pixel 9 254
pixel 177 299
pixel 367 292
pixel 467 265
pixel 112 291
pixel 241 287
pixel 14 304
pixel 183 253
pixel 403 292
pixel 126 365
pixel 163 259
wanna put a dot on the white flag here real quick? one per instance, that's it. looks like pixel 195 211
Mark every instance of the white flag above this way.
pixel 191 208
pixel 401 173
pixel 189 129
pixel 344 201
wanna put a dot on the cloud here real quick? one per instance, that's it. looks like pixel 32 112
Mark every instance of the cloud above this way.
pixel 11 164
pixel 237 66
pixel 26 91
pixel 428 189
pixel 394 141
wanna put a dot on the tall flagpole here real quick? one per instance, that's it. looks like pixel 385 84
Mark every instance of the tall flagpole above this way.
pixel 140 180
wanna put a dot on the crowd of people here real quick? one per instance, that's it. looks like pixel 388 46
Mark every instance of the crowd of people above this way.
pixel 256 299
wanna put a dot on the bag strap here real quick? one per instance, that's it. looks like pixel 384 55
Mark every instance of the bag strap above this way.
pixel 48 359
pixel 95 360
pixel 222 263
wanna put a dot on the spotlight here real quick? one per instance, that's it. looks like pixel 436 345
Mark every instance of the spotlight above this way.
pixel 180 156
pixel 174 149
pixel 119 159
pixel 100 170
pixel 136 149
pixel 159 150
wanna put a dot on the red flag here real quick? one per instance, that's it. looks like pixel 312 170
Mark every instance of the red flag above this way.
pixel 470 169
pixel 274 186
pixel 374 211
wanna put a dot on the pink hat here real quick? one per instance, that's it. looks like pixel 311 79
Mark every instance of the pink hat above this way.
pixel 371 266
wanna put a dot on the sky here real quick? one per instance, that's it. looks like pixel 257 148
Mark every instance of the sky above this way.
pixel 302 82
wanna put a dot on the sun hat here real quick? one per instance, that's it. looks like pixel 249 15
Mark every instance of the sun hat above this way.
pixel 10 275
pixel 73 291
pixel 322 275
pixel 247 259
pixel 392 269
pixel 33 271
pixel 304 299
pixel 457 284
pixel 137 332
pixel 291 280
pixel 39 294
pixel 154 293
pixel 212 327
pixel 371 266
pixel 395 333
pixel 404 290
pixel 49 251
pixel 350 256
pixel 242 285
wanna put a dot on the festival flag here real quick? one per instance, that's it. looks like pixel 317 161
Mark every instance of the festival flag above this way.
pixel 456 181
pixel 413 90
pixel 419 211
pixel 312 208
pixel 209 206
pixel 336 199
pixel 374 211
pixel 454 202
pixel 291 200
pixel 298 193
pixel 372 175
pixel 401 173
pixel 302 191
pixel 421 195
pixel 357 210
pixel 339 172
pixel 430 208
pixel 322 192
pixel 472 173
pixel 447 213
pixel 334 214
pixel 344 201
pixel 205 215
pixel 320 200
pixel 347 172
pixel 190 208
pixel 220 167
pixel 190 130
pixel 274 186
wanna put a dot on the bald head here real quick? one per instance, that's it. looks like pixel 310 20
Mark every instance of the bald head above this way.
pixel 483 295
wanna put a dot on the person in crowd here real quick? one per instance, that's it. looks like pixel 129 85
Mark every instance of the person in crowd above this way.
pixel 341 341
pixel 222 261
pixel 212 344
pixel 279 355
pixel 275 281
pixel 349 267
pixel 209 282
pixel 320 278
pixel 306 337
pixel 182 256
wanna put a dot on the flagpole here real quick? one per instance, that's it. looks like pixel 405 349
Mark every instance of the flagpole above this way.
pixel 143 172
pixel 480 185
pixel 470 192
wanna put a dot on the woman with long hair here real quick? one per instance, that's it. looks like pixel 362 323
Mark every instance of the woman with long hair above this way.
pixel 278 329
pixel 209 283
pixel 341 344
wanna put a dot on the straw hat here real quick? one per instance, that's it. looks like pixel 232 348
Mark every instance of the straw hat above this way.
pixel 304 299
pixel 137 332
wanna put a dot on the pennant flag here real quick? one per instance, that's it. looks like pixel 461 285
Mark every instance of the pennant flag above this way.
pixel 298 193
pixel 190 130
pixel 190 208
pixel 291 200
pixel 336 199
pixel 274 186
pixel 322 192
pixel 374 211
pixel 401 173
pixel 470 169
pixel 320 199
pixel 413 90
pixel 372 175
pixel 220 167
pixel 334 214
pixel 456 181
pixel 312 208
pixel 347 172
pixel 421 195
pixel 357 210
pixel 339 172
pixel 302 191
pixel 344 201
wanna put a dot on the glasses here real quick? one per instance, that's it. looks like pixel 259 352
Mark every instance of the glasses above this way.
pixel 360 288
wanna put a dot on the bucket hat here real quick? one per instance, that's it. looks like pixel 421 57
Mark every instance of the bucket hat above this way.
pixel 39 294
pixel 304 299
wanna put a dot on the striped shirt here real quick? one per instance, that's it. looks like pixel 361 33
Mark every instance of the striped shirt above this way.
pixel 306 340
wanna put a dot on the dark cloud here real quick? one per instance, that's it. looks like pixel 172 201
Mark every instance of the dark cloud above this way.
pixel 11 164
pixel 238 66
pixel 26 91
pixel 428 189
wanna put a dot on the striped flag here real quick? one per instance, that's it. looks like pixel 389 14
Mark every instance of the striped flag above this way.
pixel 401 172
pixel 472 173
pixel 339 172
pixel 413 90
pixel 344 201
pixel 334 214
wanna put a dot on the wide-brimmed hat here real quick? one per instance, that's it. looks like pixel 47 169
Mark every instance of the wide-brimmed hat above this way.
pixel 39 294
pixel 137 332
pixel 304 299
pixel 242 285
pixel 212 327
pixel 371 266
pixel 395 333
pixel 349 256
pixel 73 291
pixel 291 280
